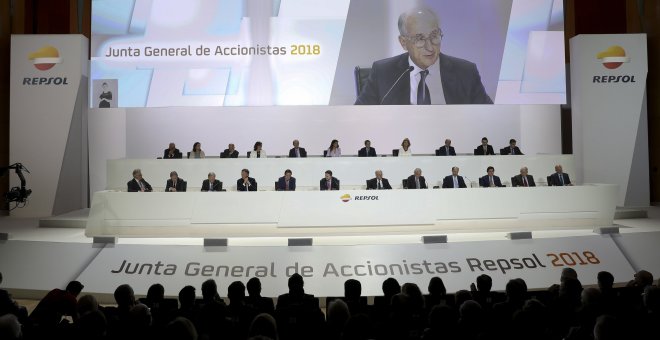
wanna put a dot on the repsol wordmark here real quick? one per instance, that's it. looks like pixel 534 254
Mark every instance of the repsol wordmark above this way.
pixel 614 79
pixel 46 81
pixel 365 198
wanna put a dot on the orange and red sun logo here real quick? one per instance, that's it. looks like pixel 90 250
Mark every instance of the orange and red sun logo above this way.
pixel 45 58
pixel 613 57
pixel 345 197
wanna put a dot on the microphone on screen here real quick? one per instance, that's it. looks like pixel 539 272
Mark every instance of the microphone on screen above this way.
pixel 409 69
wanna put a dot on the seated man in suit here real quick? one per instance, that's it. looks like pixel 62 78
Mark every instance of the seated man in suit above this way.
pixel 255 300
pixel 246 183
pixel 524 179
pixel 454 181
pixel 484 149
pixel 378 183
pixel 138 183
pixel 211 184
pixel 286 183
pixel 172 152
pixel 367 150
pixel 298 314
pixel 297 151
pixel 416 180
pixel 175 183
pixel 490 180
pixel 423 75
pixel 559 178
pixel 328 182
pixel 447 149
pixel 230 152
pixel 512 149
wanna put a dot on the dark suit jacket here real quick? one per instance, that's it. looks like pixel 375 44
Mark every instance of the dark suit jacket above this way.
pixel 507 151
pixel 448 182
pixel 177 154
pixel 303 152
pixel 554 179
pixel 443 152
pixel 479 150
pixel 373 184
pixel 217 185
pixel 281 184
pixel 334 184
pixel 410 183
pixel 133 186
pixel 485 182
pixel 461 82
pixel 363 152
pixel 516 181
pixel 180 185
pixel 226 154
pixel 240 185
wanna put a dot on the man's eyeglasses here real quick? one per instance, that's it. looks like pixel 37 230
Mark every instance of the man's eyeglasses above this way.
pixel 420 40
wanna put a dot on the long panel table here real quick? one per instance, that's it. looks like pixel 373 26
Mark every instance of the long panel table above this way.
pixel 270 213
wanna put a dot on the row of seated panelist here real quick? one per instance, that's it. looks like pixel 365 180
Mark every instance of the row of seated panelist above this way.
pixel 329 182
pixel 335 151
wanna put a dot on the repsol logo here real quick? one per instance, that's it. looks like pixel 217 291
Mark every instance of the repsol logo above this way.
pixel 614 79
pixel 46 81
pixel 365 198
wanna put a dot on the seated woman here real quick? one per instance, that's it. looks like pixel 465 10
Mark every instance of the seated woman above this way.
pixel 405 148
pixel 334 150
pixel 197 151
pixel 257 151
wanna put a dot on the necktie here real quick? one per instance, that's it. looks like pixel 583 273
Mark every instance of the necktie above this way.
pixel 210 186
pixel 174 185
pixel 417 182
pixel 513 151
pixel 297 155
pixel 286 187
pixel 379 185
pixel 258 154
pixel 561 179
pixel 492 184
pixel 329 185
pixel 423 95
pixel 455 182
pixel 447 150
pixel 525 181
pixel 141 185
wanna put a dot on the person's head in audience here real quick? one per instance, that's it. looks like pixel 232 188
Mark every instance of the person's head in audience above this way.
pixel 254 287
pixel 245 173
pixel 174 176
pixel 10 328
pixel 296 143
pixel 92 325
pixel 211 177
pixel 484 283
pixel 296 284
pixel 571 290
pixel 74 287
pixel 470 312
pixel 607 328
pixel 558 169
pixel 367 144
pixel 605 280
pixel 352 289
pixel 231 147
pixel 462 296
pixel 338 315
pixel 512 143
pixel 490 171
pixel 442 317
pixel 156 293
pixel 591 297
pixel 334 145
pixel 568 273
pixel 137 174
pixel 417 172
pixel 257 146
pixel 484 141
pixel 328 175
pixel 263 325
pixel 652 299
pixel 125 297
pixel 405 144
pixel 210 290
pixel 390 288
pixel 447 142
pixel 287 174
pixel 140 317
pixel 181 329
pixel 515 291
pixel 437 287
pixel 187 297
pixel 236 293
pixel 197 147
pixel 379 174
pixel 414 295
pixel 642 279
pixel 524 171
pixel 357 328
pixel 87 304
pixel 454 170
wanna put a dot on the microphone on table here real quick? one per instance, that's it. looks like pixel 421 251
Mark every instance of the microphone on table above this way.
pixel 468 181
pixel 409 69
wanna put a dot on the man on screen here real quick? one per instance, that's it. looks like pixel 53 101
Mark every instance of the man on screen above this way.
pixel 286 183
pixel 378 183
pixel 297 151
pixel 422 75
pixel 246 183
pixel 454 180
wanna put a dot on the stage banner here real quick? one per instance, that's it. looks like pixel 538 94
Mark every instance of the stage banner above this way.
pixel 48 126
pixel 608 101
pixel 325 268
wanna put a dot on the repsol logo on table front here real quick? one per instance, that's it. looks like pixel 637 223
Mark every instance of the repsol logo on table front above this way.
pixel 45 81
pixel 365 198
pixel 614 79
